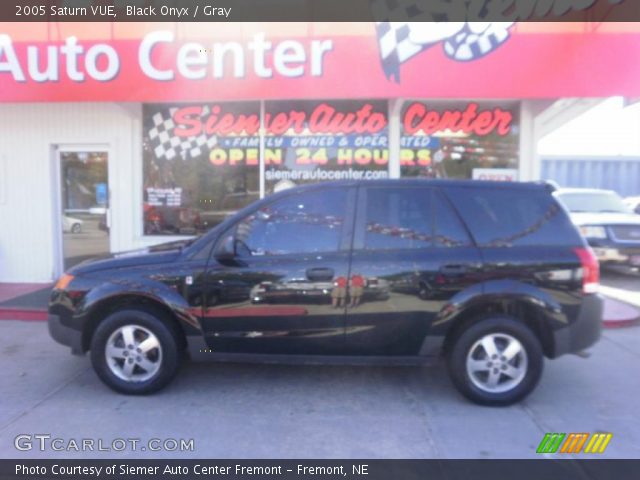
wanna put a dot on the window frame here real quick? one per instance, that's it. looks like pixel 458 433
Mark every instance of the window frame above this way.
pixel 345 238
pixel 441 194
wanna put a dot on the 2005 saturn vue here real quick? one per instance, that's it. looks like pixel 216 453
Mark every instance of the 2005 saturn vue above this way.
pixel 494 277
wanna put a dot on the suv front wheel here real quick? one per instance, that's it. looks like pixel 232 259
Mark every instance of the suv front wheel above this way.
pixel 496 361
pixel 135 351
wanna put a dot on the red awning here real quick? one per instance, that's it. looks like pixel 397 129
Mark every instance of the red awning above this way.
pixel 195 62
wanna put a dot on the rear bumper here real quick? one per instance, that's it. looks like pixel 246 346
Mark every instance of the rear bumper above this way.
pixel 65 335
pixel 584 331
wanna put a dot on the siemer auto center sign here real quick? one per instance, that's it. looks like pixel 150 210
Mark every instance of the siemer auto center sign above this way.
pixel 375 61
pixel 79 61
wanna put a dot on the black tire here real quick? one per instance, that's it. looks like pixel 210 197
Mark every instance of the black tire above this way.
pixel 499 325
pixel 76 228
pixel 167 336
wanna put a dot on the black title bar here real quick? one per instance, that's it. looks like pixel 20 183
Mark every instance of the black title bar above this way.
pixel 318 10
pixel 569 469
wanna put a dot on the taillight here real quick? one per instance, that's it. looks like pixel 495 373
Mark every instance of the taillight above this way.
pixel 590 270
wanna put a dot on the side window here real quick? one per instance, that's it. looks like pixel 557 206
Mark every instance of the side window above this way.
pixel 450 231
pixel 309 222
pixel 398 218
pixel 510 217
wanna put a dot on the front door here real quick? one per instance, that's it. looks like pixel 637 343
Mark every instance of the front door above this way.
pixel 84 204
pixel 411 256
pixel 285 291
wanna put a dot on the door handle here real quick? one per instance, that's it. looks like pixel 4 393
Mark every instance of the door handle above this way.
pixel 453 269
pixel 320 274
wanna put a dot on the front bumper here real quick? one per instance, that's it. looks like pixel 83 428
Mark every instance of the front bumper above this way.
pixel 584 331
pixel 65 335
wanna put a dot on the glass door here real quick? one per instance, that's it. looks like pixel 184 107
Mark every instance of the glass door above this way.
pixel 84 202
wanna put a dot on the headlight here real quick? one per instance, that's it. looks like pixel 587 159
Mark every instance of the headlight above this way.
pixel 63 282
pixel 593 232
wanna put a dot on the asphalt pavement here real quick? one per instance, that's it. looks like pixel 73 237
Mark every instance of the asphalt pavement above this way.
pixel 270 411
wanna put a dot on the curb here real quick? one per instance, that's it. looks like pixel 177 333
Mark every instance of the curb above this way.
pixel 27 315
pixel 620 323
pixel 619 314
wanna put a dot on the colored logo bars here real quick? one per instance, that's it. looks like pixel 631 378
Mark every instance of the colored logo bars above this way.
pixel 573 443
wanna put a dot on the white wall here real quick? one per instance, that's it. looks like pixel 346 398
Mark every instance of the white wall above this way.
pixel 28 134
pixel 607 129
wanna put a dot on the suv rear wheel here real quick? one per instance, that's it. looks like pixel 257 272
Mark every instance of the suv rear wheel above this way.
pixel 496 361
pixel 135 351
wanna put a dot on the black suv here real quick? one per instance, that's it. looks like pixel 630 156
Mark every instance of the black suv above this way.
pixel 493 276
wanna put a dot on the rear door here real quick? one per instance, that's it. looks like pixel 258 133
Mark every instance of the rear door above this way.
pixel 411 254
pixel 525 237
pixel 285 290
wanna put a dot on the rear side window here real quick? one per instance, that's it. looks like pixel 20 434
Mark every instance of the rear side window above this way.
pixel 508 217
pixel 409 218
pixel 398 218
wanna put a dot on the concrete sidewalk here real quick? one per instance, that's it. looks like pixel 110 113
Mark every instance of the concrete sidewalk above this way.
pixel 619 314
pixel 24 301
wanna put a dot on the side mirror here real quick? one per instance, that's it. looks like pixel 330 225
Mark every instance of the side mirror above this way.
pixel 227 249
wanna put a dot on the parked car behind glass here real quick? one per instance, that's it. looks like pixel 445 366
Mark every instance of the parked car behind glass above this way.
pixel 71 224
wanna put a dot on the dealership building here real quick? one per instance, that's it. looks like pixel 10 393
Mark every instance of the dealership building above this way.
pixel 119 136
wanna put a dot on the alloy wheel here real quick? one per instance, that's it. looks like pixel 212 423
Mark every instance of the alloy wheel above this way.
pixel 133 353
pixel 497 363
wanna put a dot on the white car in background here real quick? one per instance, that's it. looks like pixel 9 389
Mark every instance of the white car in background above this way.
pixel 607 223
pixel 71 225
pixel 633 203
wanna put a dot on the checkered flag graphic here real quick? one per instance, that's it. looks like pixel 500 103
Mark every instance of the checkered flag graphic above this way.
pixel 420 28
pixel 395 47
pixel 166 144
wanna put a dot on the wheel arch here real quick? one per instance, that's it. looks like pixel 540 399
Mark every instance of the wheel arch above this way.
pixel 135 301
pixel 519 308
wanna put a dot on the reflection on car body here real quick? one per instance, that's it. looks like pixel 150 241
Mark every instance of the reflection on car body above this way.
pixel 296 290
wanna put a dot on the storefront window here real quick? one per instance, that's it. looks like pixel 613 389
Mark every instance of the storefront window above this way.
pixel 202 161
pixel 313 141
pixel 461 139
pixel 201 164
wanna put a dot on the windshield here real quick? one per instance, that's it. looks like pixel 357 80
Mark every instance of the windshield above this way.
pixel 605 202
